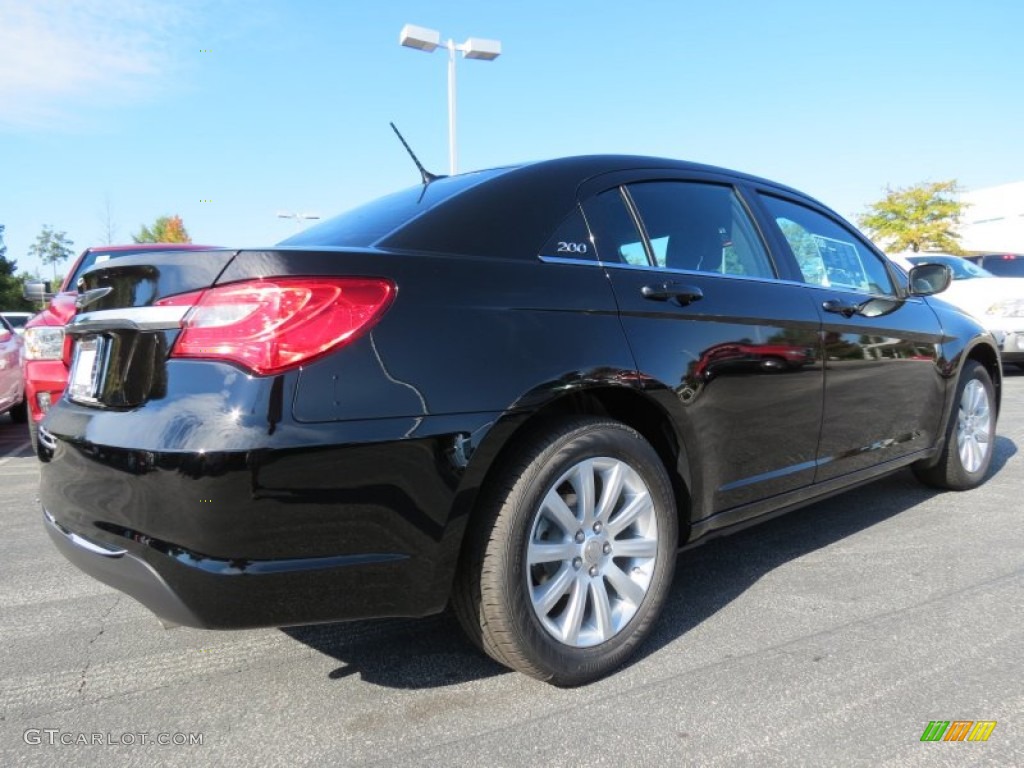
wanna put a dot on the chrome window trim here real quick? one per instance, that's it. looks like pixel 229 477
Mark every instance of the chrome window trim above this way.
pixel 564 260
pixel 721 275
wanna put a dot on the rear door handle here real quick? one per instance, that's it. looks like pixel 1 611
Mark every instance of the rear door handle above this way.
pixel 676 292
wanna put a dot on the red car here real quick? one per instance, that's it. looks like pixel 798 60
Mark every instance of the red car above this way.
pixel 47 358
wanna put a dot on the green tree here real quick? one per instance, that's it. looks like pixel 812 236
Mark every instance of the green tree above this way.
pixel 922 217
pixel 166 229
pixel 51 247
pixel 11 287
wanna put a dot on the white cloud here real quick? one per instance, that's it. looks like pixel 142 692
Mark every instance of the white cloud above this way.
pixel 58 56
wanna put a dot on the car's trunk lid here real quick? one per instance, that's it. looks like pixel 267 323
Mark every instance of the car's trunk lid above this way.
pixel 141 281
pixel 122 335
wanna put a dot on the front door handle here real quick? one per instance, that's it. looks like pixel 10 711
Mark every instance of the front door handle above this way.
pixel 676 292
pixel 840 307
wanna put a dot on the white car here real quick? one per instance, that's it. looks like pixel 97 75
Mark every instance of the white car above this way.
pixel 997 302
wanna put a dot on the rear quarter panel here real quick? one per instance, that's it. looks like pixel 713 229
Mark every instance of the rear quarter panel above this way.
pixel 463 335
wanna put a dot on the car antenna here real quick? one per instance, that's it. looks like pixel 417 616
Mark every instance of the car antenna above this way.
pixel 426 175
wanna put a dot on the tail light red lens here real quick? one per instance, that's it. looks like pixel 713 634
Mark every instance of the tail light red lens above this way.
pixel 274 324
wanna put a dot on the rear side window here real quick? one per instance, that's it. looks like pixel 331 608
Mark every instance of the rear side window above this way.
pixel 571 240
pixel 828 254
pixel 700 227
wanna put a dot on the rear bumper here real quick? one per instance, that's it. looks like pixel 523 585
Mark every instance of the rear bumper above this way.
pixel 340 529
pixel 118 568
pixel 185 588
pixel 1011 344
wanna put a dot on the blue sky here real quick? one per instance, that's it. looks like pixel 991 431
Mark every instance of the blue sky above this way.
pixel 148 107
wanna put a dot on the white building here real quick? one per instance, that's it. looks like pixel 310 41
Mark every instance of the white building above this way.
pixel 994 219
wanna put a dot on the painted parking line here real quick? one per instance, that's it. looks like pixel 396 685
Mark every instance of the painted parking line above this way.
pixel 12 453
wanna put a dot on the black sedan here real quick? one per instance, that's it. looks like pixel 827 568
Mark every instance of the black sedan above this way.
pixel 519 391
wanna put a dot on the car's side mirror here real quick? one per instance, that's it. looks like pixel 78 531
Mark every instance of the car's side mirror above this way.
pixel 929 279
pixel 37 291
pixel 4 334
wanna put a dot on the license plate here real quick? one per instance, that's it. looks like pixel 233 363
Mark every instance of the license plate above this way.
pixel 87 369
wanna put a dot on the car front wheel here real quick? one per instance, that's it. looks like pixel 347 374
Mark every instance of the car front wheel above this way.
pixel 572 564
pixel 970 434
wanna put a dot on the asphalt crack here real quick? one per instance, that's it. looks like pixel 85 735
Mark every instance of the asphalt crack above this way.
pixel 84 678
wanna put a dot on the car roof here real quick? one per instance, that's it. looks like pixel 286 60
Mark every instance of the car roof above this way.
pixel 504 212
pixel 516 209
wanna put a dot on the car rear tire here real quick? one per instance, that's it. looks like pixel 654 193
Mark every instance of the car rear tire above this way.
pixel 570 563
pixel 19 413
pixel 970 434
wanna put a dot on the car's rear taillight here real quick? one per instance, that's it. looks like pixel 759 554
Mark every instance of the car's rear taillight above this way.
pixel 273 324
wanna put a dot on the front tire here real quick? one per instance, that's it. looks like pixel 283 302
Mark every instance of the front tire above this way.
pixel 970 434
pixel 571 565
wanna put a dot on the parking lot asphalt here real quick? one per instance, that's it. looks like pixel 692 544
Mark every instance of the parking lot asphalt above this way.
pixel 830 636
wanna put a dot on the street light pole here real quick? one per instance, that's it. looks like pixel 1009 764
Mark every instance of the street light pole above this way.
pixel 452 146
pixel 427 40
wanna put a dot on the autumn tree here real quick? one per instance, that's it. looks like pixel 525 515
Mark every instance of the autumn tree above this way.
pixel 166 229
pixel 51 247
pixel 922 217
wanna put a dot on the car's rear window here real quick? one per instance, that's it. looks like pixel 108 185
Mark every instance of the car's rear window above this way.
pixel 365 225
pixel 98 256
pixel 1003 266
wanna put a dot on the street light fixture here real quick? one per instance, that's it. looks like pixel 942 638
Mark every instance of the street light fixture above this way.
pixel 427 40
pixel 298 217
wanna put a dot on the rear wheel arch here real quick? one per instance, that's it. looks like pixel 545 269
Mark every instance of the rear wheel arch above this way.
pixel 621 404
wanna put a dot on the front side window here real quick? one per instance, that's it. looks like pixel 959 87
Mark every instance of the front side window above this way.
pixel 700 227
pixel 828 254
